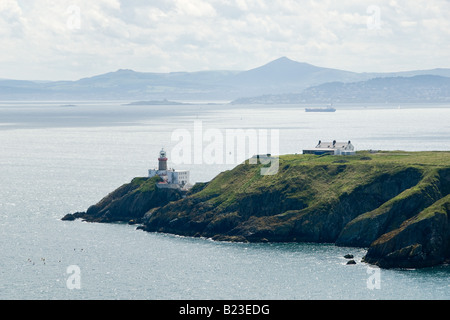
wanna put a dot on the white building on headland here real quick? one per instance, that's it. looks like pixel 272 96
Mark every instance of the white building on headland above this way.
pixel 171 178
pixel 335 148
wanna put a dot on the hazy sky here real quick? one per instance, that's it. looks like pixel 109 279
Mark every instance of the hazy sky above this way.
pixel 72 39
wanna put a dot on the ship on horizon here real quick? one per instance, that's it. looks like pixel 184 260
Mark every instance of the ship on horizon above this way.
pixel 327 109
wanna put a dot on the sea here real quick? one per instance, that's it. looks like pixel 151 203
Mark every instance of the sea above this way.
pixel 60 157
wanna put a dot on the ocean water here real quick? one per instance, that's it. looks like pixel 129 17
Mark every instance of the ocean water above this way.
pixel 57 159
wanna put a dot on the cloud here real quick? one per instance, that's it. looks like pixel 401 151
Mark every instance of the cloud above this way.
pixel 11 19
pixel 43 39
pixel 194 8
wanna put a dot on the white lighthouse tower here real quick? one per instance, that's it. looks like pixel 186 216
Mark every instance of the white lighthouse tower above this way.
pixel 171 178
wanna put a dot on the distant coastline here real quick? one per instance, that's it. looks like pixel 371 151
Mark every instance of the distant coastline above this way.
pixel 164 102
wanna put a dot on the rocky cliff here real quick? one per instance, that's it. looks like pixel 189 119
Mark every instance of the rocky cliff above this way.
pixel 128 203
pixel 396 204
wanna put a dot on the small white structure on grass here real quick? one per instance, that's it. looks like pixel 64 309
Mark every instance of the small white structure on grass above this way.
pixel 334 148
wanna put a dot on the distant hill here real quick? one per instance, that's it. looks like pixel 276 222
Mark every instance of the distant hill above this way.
pixel 422 88
pixel 284 76
pixel 164 102
pixel 279 77
pixel 123 85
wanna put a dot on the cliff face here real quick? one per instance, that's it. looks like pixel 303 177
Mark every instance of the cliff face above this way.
pixel 369 226
pixel 396 204
pixel 421 240
pixel 128 203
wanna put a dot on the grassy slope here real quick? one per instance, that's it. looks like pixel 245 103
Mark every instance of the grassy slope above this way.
pixel 312 198
pixel 314 180
pixel 319 172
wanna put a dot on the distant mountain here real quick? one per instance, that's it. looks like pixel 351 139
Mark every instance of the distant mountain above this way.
pixel 284 75
pixel 123 85
pixel 279 77
pixel 422 88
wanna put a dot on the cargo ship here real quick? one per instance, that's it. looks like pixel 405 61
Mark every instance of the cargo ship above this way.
pixel 327 109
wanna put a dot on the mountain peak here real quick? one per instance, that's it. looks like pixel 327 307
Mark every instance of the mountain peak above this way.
pixel 287 61
pixel 283 59
pixel 286 65
pixel 281 70
pixel 125 71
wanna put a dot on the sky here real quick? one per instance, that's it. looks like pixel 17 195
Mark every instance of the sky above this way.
pixel 73 39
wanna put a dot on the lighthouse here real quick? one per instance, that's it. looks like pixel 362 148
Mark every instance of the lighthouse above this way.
pixel 171 178
pixel 162 160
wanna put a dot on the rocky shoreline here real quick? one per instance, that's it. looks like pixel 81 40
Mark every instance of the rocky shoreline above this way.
pixel 395 204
